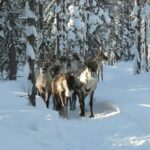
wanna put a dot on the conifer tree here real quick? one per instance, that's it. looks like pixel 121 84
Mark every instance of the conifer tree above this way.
pixel 31 35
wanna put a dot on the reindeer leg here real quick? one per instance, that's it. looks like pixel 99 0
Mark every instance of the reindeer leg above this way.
pixel 47 101
pixel 65 111
pixel 74 98
pixel 102 72
pixel 98 72
pixel 82 105
pixel 54 102
pixel 43 96
pixel 38 92
pixel 64 101
pixel 91 104
pixel 56 105
pixel 73 101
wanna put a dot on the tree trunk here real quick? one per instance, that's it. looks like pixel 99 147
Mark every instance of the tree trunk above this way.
pixel 32 96
pixel 40 16
pixel 139 38
pixel 12 63
pixel 58 41
pixel 146 47
pixel 12 50
pixel 31 39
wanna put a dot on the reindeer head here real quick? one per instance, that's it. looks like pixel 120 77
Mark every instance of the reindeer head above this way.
pixel 92 67
pixel 55 70
pixel 44 68
pixel 102 57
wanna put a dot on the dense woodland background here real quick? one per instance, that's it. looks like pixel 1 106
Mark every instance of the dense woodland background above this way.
pixel 32 30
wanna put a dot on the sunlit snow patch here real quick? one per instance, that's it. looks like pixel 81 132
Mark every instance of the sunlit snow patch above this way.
pixel 21 94
pixel 144 105
pixel 132 140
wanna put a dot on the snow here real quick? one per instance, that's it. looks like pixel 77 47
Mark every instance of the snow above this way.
pixel 30 51
pixel 121 122
pixel 147 9
pixel 31 30
pixel 71 35
pixel 57 9
pixel 28 13
pixel 135 10
pixel 73 11
pixel 82 2
pixel 2 34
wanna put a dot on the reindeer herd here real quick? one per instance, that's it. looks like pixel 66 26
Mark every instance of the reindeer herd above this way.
pixel 65 80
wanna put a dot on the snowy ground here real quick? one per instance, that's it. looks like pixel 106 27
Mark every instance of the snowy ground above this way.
pixel 122 122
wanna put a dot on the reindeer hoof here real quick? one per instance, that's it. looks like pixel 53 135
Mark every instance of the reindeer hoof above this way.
pixel 72 109
pixel 91 116
pixel 82 114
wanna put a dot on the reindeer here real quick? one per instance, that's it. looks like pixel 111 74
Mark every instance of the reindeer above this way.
pixel 101 59
pixel 69 64
pixel 64 65
pixel 86 82
pixel 62 88
pixel 43 83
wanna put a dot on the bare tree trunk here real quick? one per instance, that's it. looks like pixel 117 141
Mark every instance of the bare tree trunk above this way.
pixel 139 37
pixel 146 47
pixel 12 63
pixel 58 41
pixel 12 49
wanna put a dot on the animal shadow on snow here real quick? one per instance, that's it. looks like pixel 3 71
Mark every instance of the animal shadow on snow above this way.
pixel 102 109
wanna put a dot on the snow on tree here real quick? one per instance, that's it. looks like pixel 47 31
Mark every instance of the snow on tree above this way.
pixel 76 29
pixel 135 23
pixel 82 18
pixel 145 38
pixel 11 49
pixel 31 34
pixel 134 51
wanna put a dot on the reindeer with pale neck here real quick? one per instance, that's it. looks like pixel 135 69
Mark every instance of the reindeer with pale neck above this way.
pixel 86 82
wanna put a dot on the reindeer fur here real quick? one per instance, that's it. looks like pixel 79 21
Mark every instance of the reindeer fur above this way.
pixel 43 84
pixel 85 85
pixel 62 88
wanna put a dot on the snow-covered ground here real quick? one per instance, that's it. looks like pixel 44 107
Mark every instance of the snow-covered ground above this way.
pixel 122 122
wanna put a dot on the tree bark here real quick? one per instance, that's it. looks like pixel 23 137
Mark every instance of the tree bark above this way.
pixel 40 16
pixel 12 63
pixel 58 41
pixel 31 39
pixel 139 37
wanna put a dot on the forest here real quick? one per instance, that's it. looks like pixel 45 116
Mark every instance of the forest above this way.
pixel 57 54
pixel 40 30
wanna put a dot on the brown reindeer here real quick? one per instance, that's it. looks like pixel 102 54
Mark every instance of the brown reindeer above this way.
pixel 86 83
pixel 43 83
pixel 62 88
